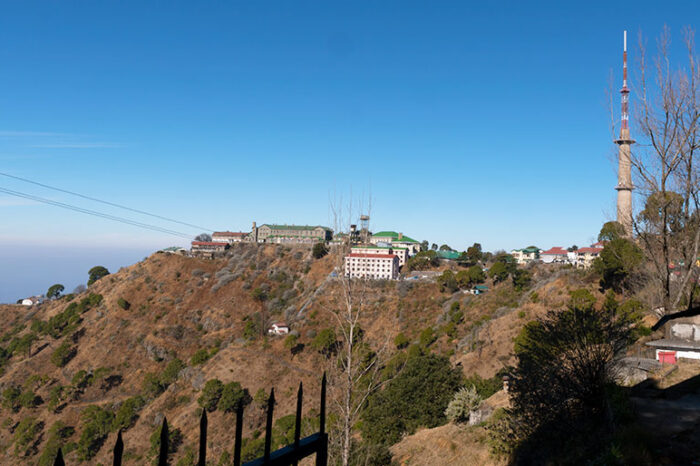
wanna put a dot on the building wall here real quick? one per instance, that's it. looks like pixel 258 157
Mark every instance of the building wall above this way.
pixel 401 253
pixel 372 267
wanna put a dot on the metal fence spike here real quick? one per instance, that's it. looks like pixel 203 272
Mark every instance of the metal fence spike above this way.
pixel 239 435
pixel 59 459
pixel 118 450
pixel 322 415
pixel 163 454
pixel 203 439
pixel 268 425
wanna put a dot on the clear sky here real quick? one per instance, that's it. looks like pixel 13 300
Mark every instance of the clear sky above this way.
pixel 466 121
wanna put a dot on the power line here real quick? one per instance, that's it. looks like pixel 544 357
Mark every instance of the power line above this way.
pixel 104 202
pixel 94 213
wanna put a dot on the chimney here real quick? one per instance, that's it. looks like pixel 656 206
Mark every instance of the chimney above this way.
pixel 400 236
pixel 253 225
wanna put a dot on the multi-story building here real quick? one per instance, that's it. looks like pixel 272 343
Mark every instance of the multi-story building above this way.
pixel 586 256
pixel 555 254
pixel 373 249
pixel 372 266
pixel 208 248
pixel 526 255
pixel 229 236
pixel 269 233
pixel 395 239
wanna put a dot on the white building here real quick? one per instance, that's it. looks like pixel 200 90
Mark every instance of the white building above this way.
pixel 401 252
pixel 555 254
pixel 586 256
pixel 228 237
pixel 373 266
pixel 278 328
pixel 395 239
pixel 525 255
pixel 208 248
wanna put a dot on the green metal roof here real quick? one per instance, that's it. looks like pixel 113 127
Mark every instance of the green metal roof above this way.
pixel 449 255
pixel 481 287
pixel 391 234
pixel 394 236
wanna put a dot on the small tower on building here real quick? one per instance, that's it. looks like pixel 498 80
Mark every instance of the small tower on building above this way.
pixel 624 171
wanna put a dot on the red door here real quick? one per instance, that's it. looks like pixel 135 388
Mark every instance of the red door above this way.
pixel 667 357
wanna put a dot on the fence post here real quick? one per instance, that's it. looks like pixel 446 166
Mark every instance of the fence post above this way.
pixel 322 453
pixel 297 423
pixel 59 459
pixel 118 450
pixel 239 435
pixel 203 439
pixel 163 454
pixel 268 426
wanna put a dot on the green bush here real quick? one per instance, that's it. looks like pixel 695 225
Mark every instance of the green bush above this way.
pixel 401 341
pixel 57 435
pixel 29 399
pixel 171 371
pixel 63 354
pixel 128 413
pixel 290 341
pixel 25 433
pixel 325 342
pixel 416 397
pixel 123 303
pixel 319 250
pixel 96 273
pixel 10 398
pixel 211 394
pixel 200 357
pixel 97 423
pixel 427 337
pixel 231 394
pixel 21 345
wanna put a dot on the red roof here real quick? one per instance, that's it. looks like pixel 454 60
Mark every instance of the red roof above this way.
pixel 229 233
pixel 208 243
pixel 555 251
pixel 590 250
pixel 599 244
pixel 372 256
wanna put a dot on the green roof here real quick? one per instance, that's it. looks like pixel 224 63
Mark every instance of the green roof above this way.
pixel 529 249
pixel 295 227
pixel 450 255
pixel 481 287
pixel 391 234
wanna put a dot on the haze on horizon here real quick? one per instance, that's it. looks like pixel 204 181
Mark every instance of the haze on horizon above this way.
pixel 467 123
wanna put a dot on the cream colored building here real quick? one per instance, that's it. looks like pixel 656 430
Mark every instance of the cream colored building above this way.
pixel 372 266
pixel 228 236
pixel 395 239
pixel 526 255
pixel 367 249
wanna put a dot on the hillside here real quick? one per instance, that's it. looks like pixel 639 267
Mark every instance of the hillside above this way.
pixel 173 307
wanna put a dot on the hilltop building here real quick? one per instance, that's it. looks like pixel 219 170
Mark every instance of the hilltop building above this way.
pixel 372 266
pixel 586 256
pixel 270 233
pixel 395 239
pixel 208 249
pixel 526 255
pixel 555 254
pixel 402 253
pixel 229 236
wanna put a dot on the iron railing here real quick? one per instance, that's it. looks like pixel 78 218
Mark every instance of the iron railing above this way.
pixel 316 443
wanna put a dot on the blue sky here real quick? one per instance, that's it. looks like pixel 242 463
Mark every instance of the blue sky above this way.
pixel 466 122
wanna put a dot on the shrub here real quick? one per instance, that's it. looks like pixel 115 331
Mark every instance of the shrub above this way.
pixel 325 342
pixel 63 354
pixel 29 399
pixel 464 402
pixel 291 341
pixel 96 273
pixel 416 397
pixel 319 250
pixel 97 423
pixel 211 394
pixel 427 337
pixel 448 281
pixel 171 372
pixel 56 438
pixel 199 357
pixel 401 341
pixel 127 413
pixel 10 398
pixel 25 433
pixel 231 394
pixel 123 303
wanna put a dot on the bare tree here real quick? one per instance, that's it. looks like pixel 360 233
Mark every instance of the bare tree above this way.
pixel 203 237
pixel 355 375
pixel 666 173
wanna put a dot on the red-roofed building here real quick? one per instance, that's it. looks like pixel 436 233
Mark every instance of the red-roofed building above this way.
pixel 372 266
pixel 586 256
pixel 229 236
pixel 555 254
